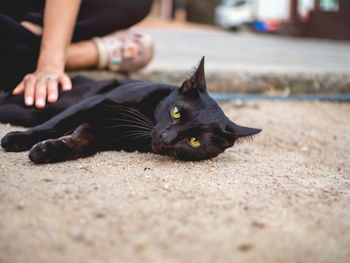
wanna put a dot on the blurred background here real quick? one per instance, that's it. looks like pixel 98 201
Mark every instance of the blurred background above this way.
pixel 309 18
pixel 272 47
pixel 281 47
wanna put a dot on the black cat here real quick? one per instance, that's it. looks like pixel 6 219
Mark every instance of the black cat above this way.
pixel 184 122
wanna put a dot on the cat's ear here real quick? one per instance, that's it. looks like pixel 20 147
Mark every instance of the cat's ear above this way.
pixel 233 132
pixel 198 77
pixel 240 131
pixel 196 83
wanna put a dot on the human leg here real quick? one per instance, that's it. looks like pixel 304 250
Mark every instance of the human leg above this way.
pixel 19 52
pixel 98 18
pixel 82 54
pixel 120 51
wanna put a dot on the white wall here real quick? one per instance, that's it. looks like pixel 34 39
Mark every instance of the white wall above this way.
pixel 305 6
pixel 272 9
pixel 279 9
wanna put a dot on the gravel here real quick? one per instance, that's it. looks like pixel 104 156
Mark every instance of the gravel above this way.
pixel 283 197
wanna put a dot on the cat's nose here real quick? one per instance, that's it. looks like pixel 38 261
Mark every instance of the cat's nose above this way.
pixel 167 136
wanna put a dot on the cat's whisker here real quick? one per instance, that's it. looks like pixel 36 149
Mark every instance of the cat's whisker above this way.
pixel 139 114
pixel 136 114
pixel 134 118
pixel 138 117
pixel 141 136
pixel 130 135
pixel 131 112
pixel 128 125
pixel 145 133
pixel 129 121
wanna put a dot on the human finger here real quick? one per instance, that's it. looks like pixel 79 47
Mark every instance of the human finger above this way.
pixel 65 82
pixel 52 90
pixel 19 88
pixel 29 86
pixel 40 93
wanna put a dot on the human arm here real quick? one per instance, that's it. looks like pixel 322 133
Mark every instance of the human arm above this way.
pixel 59 20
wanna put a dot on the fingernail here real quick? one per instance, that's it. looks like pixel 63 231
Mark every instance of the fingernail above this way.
pixel 40 102
pixel 52 97
pixel 29 101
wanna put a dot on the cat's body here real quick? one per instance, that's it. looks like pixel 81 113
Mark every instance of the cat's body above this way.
pixel 126 115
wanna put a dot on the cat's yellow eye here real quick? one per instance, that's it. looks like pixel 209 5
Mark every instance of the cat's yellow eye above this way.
pixel 175 113
pixel 194 142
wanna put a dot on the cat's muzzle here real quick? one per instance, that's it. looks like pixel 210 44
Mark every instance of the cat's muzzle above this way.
pixel 162 149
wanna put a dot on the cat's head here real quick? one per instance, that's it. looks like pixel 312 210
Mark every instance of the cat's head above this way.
pixel 191 125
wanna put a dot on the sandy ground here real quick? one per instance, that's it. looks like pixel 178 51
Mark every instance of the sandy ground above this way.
pixel 284 197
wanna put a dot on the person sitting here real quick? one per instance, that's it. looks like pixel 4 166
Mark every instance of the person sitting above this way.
pixel 44 38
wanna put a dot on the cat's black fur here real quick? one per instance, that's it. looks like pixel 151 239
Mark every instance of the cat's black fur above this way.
pixel 123 115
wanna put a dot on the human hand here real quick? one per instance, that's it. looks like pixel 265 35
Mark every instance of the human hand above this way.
pixel 42 84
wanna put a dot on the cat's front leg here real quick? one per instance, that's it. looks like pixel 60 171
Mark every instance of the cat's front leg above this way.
pixel 53 128
pixel 81 143
pixel 18 141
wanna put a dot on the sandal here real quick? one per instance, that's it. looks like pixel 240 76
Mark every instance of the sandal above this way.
pixel 124 50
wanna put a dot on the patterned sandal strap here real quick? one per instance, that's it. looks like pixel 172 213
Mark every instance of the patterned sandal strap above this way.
pixel 124 50
pixel 103 54
pixel 106 57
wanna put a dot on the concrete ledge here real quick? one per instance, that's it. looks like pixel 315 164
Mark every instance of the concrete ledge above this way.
pixel 244 82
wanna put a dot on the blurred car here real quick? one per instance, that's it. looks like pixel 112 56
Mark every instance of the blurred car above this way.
pixel 233 14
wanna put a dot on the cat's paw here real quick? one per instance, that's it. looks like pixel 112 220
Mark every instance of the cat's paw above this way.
pixel 16 142
pixel 50 151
